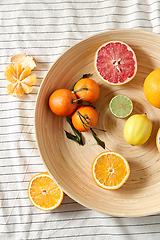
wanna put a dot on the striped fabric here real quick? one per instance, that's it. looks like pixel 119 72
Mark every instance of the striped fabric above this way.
pixel 44 30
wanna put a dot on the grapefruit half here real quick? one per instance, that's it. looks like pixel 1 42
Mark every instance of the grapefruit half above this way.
pixel 115 63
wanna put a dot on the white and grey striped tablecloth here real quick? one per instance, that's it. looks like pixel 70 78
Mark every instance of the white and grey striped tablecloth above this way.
pixel 44 29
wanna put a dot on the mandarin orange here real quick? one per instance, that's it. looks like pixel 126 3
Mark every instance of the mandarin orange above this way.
pixel 84 118
pixel 62 102
pixel 87 89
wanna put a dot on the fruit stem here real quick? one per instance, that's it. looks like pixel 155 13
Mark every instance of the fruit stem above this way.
pixel 76 100
pixel 81 89
pixel 86 124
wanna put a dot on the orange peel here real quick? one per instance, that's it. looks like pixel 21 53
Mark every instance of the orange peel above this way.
pixel 24 60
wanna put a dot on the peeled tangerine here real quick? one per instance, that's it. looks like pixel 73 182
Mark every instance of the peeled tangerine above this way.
pixel 137 129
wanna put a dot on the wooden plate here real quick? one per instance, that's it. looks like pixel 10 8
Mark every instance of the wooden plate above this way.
pixel 69 163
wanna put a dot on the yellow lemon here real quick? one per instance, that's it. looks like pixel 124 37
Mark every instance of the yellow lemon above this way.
pixel 137 129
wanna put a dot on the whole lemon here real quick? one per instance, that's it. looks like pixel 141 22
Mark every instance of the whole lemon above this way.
pixel 152 88
pixel 137 129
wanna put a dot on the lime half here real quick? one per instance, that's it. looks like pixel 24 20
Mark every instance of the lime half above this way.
pixel 121 106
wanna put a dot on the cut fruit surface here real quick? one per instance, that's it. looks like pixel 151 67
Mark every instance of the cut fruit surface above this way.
pixel 110 170
pixel 121 106
pixel 158 140
pixel 44 193
pixel 115 63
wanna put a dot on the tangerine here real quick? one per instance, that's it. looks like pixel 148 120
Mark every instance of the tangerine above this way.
pixel 152 88
pixel 62 102
pixel 87 89
pixel 84 118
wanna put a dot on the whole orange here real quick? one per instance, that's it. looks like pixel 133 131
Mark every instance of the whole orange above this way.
pixel 62 102
pixel 87 89
pixel 152 88
pixel 84 117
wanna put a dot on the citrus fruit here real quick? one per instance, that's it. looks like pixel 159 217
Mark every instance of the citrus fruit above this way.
pixel 63 102
pixel 20 78
pixel 137 129
pixel 110 170
pixel 44 193
pixel 152 88
pixel 158 140
pixel 121 106
pixel 87 89
pixel 115 63
pixel 84 117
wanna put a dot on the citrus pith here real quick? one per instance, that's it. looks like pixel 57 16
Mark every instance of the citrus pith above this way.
pixel 19 78
pixel 115 63
pixel 121 106
pixel 110 170
pixel 158 140
pixel 44 193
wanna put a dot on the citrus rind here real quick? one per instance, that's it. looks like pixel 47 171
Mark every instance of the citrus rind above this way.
pixel 119 83
pixel 102 185
pixel 122 111
pixel 33 202
pixel 158 140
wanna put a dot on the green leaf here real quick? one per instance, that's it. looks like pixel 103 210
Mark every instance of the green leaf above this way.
pixel 99 142
pixel 86 75
pixel 78 135
pixel 73 137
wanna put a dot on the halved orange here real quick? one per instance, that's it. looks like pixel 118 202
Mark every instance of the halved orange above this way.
pixel 110 170
pixel 44 193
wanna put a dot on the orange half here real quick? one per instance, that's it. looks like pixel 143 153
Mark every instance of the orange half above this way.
pixel 44 193
pixel 110 170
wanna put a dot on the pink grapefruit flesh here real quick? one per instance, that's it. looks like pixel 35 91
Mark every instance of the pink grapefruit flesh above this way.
pixel 115 63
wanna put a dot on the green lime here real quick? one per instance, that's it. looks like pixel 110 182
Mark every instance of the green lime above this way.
pixel 121 106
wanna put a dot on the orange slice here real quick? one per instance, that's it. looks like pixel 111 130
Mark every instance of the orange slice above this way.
pixel 20 79
pixel 44 193
pixel 110 170
pixel 158 140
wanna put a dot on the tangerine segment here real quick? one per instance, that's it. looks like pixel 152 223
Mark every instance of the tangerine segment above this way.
pixel 20 79
pixel 87 89
pixel 44 193
pixel 110 170
pixel 115 63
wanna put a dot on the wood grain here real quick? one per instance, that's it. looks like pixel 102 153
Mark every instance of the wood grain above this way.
pixel 69 163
